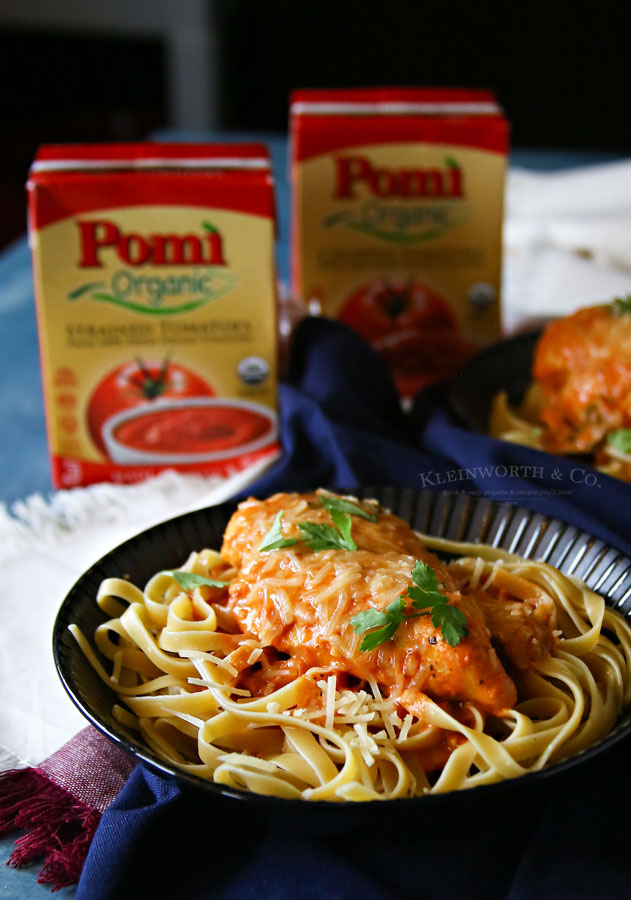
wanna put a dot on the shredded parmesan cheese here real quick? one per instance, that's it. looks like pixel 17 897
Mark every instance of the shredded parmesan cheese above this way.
pixel 384 705
pixel 330 701
pixel 367 747
pixel 405 728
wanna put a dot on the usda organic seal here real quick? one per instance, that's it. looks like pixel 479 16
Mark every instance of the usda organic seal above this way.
pixel 252 370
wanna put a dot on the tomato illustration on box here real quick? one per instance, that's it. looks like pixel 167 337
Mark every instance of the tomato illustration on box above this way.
pixel 397 199
pixel 155 290
pixel 136 384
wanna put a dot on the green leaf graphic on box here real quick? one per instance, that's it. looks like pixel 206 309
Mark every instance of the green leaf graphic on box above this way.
pixel 83 289
pixel 338 218
pixel 207 226
pixel 225 283
pixel 451 163
pixel 397 237
pixel 456 216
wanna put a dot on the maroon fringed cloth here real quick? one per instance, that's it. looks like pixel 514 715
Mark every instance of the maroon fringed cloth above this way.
pixel 59 804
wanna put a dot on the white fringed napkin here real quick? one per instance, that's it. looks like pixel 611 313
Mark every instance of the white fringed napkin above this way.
pixel 44 547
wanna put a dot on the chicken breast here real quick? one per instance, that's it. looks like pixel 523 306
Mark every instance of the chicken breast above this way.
pixel 301 602
pixel 582 366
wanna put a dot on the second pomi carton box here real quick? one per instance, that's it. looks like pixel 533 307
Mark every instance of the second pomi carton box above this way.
pixel 397 202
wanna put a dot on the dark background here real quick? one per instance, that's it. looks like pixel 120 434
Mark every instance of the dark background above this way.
pixel 561 72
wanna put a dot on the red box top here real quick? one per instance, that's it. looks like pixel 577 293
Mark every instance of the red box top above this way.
pixel 69 179
pixel 334 119
pixel 432 97
pixel 149 155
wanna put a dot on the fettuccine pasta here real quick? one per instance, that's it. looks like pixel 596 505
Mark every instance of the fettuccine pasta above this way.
pixel 210 693
pixel 578 400
pixel 521 425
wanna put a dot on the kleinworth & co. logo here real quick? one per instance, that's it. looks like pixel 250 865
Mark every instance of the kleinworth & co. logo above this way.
pixel 522 480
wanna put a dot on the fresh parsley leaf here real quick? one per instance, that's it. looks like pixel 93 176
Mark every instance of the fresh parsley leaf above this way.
pixel 274 539
pixel 369 618
pixel 189 580
pixel 424 577
pixel 329 537
pixel 426 598
pixel 420 599
pixel 620 440
pixel 343 523
pixel 424 594
pixel 379 636
pixel 317 537
pixel 384 622
pixel 451 621
pixel 331 502
pixel 621 305
pixel 320 537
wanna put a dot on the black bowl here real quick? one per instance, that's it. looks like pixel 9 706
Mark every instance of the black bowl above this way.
pixel 505 366
pixel 464 518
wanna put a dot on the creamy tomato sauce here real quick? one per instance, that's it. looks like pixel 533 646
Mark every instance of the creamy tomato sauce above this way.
pixel 193 429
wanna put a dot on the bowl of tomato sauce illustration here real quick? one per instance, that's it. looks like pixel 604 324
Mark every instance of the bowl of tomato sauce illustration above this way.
pixel 161 412
pixel 191 430
pixel 412 327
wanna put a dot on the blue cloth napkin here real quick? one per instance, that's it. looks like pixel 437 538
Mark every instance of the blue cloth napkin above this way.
pixel 342 426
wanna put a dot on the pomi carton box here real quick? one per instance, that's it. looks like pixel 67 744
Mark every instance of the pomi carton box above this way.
pixel 155 292
pixel 397 202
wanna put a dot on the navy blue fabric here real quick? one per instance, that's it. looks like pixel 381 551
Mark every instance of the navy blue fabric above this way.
pixel 342 426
